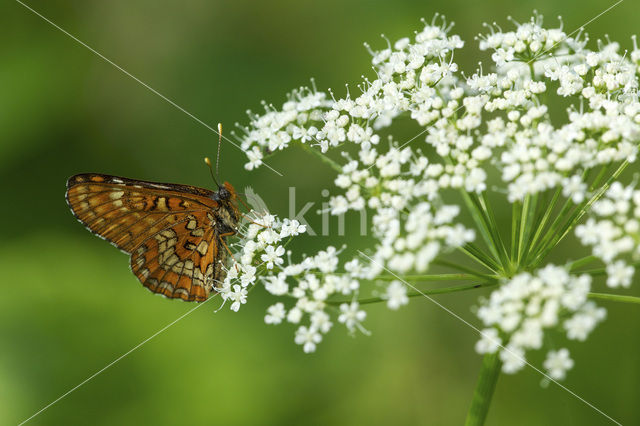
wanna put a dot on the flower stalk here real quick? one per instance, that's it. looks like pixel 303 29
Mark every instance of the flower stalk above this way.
pixel 615 297
pixel 423 293
pixel 484 390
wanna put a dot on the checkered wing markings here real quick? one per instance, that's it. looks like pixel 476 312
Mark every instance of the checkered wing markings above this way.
pixel 178 262
pixel 118 220
pixel 112 209
pixel 131 214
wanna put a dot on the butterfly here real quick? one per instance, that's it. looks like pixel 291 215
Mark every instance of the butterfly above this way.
pixel 175 234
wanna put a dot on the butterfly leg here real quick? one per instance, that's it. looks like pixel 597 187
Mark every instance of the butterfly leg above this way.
pixel 224 243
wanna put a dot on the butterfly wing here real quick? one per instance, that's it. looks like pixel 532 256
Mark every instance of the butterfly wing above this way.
pixel 168 229
pixel 182 261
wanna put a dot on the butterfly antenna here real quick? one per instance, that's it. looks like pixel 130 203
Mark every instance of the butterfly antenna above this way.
pixel 208 163
pixel 219 146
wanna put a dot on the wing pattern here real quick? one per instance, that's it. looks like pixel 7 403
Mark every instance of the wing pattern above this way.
pixel 173 233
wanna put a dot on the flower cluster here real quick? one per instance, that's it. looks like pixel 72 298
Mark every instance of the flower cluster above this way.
pixel 488 132
pixel 614 232
pixel 399 180
pixel 275 129
pixel 309 283
pixel 517 314
pixel 530 41
pixel 262 247
pixel 603 121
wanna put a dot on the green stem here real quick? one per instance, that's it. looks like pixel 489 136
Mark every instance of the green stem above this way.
pixel 457 266
pixel 323 157
pixel 615 297
pixel 422 277
pixel 486 206
pixel 482 222
pixel 543 222
pixel 430 277
pixel 522 223
pixel 597 272
pixel 598 179
pixel 529 222
pixel 551 232
pixel 478 256
pixel 484 390
pixel 531 70
pixel 428 292
pixel 516 212
pixel 558 234
pixel 581 262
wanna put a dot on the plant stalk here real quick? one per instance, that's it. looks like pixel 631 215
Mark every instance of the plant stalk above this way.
pixel 485 387
pixel 323 157
pixel 423 293
pixel 615 297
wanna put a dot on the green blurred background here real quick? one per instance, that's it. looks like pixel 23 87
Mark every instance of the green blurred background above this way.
pixel 69 304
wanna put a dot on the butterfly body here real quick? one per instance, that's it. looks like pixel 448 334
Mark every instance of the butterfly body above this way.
pixel 175 234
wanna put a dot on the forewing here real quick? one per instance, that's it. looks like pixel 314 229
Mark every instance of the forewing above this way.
pixel 125 212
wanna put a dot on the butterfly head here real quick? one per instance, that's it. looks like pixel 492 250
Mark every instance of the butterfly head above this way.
pixel 226 192
pixel 227 197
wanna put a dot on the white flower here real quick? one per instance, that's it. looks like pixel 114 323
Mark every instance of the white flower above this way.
pixel 512 358
pixel 248 275
pixel 225 289
pixel 275 314
pixel 295 315
pixel 320 320
pixel 326 261
pixel 489 342
pixel 273 256
pixel 308 337
pixel 558 363
pixel 523 307
pixel 574 188
pixel 277 285
pixel 292 228
pixel 255 158
pixel 613 232
pixel 239 297
pixel 396 295
pixel 579 326
pixel 619 274
pixel 351 315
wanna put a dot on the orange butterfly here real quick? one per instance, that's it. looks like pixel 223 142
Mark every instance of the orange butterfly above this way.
pixel 173 233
